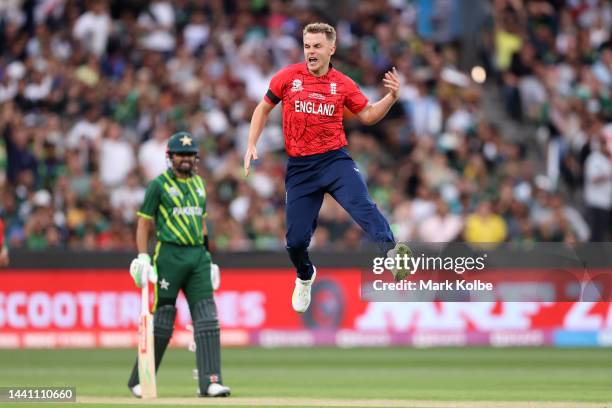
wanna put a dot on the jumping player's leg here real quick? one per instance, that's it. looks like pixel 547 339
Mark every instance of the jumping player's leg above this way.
pixel 199 293
pixel 301 211
pixel 170 276
pixel 351 192
pixel 303 202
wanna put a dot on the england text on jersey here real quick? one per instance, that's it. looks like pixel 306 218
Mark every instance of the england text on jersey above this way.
pixel 315 108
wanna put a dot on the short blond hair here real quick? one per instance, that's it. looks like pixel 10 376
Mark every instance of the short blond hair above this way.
pixel 315 28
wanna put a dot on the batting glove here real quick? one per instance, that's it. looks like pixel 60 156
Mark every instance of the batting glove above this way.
pixel 141 270
pixel 215 276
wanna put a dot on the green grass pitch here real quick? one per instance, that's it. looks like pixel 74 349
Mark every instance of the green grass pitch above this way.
pixel 450 374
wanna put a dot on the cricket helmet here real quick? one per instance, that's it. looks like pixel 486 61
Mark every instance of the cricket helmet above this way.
pixel 182 142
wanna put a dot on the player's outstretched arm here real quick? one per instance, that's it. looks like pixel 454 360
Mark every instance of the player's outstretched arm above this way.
pixel 375 112
pixel 258 122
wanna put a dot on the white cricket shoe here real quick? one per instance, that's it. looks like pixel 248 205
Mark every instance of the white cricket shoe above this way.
pixel 136 391
pixel 301 294
pixel 217 390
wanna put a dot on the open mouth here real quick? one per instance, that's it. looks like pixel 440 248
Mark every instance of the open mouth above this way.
pixel 312 60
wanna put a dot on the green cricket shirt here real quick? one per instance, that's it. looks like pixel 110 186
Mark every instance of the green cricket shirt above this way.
pixel 178 207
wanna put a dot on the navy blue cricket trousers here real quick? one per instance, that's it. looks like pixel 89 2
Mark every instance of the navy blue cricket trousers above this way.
pixel 306 182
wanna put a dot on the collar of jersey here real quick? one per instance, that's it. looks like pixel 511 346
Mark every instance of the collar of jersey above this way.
pixel 173 176
pixel 322 76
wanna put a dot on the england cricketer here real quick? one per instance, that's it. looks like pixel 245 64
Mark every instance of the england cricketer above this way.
pixel 314 95
pixel 175 206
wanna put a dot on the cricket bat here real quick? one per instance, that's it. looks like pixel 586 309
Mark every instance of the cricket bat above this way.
pixel 146 350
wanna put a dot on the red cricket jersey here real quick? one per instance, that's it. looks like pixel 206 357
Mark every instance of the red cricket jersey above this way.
pixel 313 108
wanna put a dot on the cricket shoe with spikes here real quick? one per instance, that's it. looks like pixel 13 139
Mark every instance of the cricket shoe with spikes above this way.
pixel 301 294
pixel 216 390
pixel 136 391
pixel 400 253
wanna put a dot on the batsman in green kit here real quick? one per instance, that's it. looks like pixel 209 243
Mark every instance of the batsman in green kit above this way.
pixel 175 207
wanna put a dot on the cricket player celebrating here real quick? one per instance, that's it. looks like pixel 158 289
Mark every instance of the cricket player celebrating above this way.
pixel 314 95
pixel 175 205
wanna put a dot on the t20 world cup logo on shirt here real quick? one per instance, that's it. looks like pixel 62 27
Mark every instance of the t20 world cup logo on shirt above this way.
pixel 296 85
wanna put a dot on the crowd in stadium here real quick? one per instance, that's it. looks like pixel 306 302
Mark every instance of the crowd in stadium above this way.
pixel 90 91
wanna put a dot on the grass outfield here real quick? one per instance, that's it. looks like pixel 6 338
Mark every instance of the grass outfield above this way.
pixel 338 377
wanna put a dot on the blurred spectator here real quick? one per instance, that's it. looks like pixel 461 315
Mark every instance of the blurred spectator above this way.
pixel 40 229
pixel 441 226
pixel 425 111
pixel 598 192
pixel 196 32
pixel 557 221
pixel 93 28
pixel 157 23
pixel 484 226
pixel 85 133
pixel 20 157
pixel 152 153
pixel 127 198
pixel 116 157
